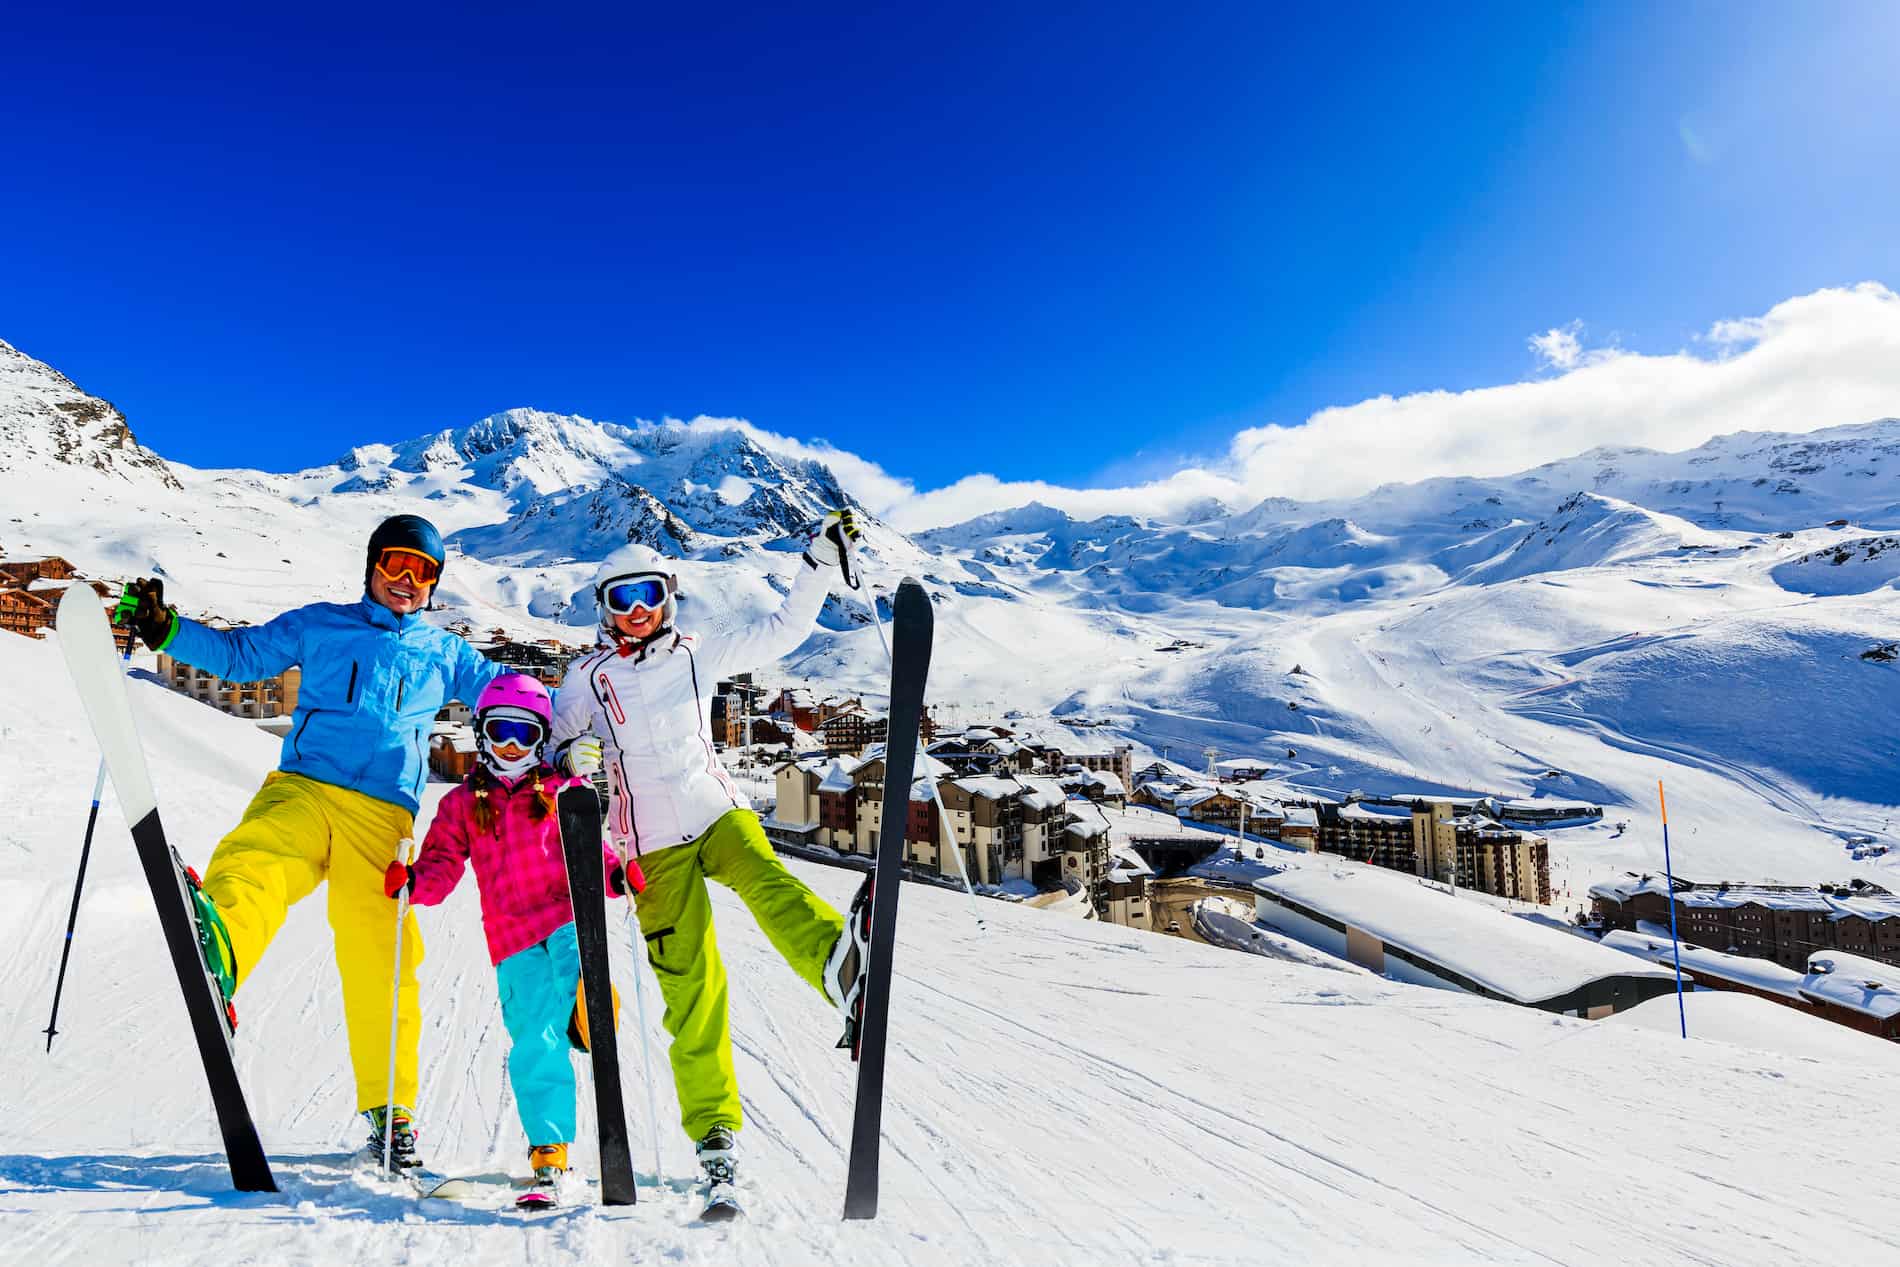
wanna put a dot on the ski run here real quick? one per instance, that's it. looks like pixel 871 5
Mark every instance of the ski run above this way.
pixel 1058 1091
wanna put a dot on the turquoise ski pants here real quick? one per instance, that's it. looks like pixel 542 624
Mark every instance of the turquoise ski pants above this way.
pixel 538 986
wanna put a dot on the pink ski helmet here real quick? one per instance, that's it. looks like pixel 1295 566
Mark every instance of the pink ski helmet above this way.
pixel 517 690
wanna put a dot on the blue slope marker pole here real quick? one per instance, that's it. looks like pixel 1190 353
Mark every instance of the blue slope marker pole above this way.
pixel 1669 878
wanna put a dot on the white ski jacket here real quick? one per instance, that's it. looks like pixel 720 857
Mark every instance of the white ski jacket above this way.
pixel 652 710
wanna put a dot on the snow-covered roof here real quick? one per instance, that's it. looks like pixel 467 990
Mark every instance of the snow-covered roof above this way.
pixel 1439 798
pixel 1299 816
pixel 457 735
pixel 1868 901
pixel 1361 813
pixel 837 778
pixel 1109 782
pixel 1509 956
pixel 1243 763
pixel 994 787
pixel 1863 985
pixel 1190 797
pixel 1042 792
pixel 1086 828
pixel 1759 974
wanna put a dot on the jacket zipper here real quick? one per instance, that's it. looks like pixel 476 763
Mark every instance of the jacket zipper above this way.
pixel 400 687
pixel 349 696
pixel 296 740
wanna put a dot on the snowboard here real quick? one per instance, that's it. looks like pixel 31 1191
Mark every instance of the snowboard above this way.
pixel 579 811
pixel 85 638
pixel 912 629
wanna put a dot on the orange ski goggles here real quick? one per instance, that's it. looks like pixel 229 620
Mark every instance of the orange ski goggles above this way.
pixel 395 563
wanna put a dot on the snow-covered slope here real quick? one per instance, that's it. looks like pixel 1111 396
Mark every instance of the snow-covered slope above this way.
pixel 1061 1092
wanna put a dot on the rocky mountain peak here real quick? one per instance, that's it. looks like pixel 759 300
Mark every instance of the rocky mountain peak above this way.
pixel 47 420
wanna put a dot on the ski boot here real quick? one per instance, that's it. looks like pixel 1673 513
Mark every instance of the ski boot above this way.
pixel 214 943
pixel 844 970
pixel 549 1164
pixel 402 1137
pixel 720 1167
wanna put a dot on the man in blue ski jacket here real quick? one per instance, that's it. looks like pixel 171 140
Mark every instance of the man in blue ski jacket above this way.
pixel 346 789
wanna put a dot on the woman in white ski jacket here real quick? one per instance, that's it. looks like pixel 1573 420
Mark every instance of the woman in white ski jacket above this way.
pixel 645 694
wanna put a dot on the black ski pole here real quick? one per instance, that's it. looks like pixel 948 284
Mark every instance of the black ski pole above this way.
pixel 72 918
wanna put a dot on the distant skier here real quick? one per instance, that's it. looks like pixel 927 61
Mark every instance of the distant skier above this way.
pixel 647 691
pixel 346 788
pixel 502 819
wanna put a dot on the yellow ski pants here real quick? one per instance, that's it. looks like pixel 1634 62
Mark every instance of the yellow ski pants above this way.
pixel 296 833
pixel 675 915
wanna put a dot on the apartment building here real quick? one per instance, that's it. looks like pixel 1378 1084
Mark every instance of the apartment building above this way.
pixel 1454 844
pixel 1783 922
pixel 272 697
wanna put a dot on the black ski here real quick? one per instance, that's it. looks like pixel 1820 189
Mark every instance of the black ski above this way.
pixel 912 625
pixel 85 637
pixel 579 809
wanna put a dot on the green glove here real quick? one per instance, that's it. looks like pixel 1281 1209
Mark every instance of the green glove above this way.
pixel 142 606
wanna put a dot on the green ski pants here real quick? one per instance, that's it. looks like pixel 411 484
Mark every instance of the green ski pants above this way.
pixel 676 920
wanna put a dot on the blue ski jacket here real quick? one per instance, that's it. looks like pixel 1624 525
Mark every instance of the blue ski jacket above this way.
pixel 373 682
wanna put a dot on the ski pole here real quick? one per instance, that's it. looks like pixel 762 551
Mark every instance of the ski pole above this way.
pixel 405 854
pixel 936 793
pixel 79 883
pixel 1669 879
pixel 640 1012
pixel 72 918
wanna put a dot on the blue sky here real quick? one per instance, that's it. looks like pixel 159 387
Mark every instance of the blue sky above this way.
pixel 1083 244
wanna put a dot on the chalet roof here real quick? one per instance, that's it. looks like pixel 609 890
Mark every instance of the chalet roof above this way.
pixel 1862 985
pixel 1188 798
pixel 1041 792
pixel 838 777
pixel 457 735
pixel 1299 816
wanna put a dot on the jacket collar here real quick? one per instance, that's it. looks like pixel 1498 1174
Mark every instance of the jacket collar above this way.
pixel 381 617
pixel 627 648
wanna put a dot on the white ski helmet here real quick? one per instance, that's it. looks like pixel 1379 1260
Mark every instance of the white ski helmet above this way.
pixel 635 561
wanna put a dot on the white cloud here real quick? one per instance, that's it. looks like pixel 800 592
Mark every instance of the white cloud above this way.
pixel 1818 360
pixel 1559 348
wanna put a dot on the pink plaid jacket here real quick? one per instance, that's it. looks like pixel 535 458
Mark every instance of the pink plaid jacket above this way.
pixel 518 865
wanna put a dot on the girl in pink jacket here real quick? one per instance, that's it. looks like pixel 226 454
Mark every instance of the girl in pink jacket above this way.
pixel 502 818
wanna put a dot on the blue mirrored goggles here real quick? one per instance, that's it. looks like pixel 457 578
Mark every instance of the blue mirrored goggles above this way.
pixel 647 592
pixel 500 730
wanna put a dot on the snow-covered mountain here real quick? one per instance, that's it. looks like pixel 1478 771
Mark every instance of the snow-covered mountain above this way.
pixel 1059 1092
pixel 45 419
pixel 1713 618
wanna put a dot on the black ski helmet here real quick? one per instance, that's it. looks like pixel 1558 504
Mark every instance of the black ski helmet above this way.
pixel 404 532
